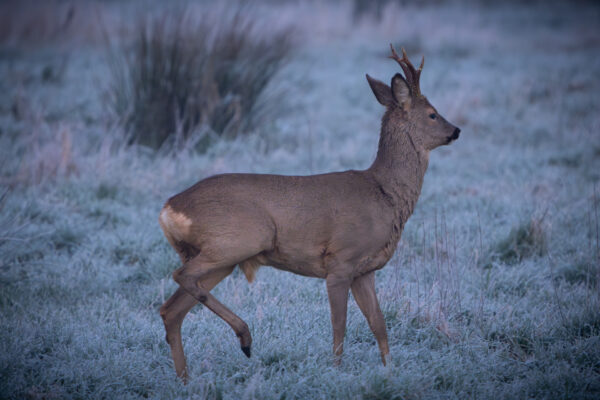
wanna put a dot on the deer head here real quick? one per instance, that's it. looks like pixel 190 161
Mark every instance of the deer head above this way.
pixel 406 105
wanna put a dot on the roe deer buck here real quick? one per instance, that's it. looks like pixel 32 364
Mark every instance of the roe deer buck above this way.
pixel 340 226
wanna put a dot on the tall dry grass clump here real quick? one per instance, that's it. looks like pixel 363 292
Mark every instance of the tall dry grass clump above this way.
pixel 205 75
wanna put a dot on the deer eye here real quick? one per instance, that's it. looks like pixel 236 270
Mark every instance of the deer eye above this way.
pixel 432 116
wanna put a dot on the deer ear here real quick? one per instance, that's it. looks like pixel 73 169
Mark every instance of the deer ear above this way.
pixel 400 91
pixel 383 93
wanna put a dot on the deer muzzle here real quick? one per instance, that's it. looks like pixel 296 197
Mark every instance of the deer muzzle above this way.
pixel 454 135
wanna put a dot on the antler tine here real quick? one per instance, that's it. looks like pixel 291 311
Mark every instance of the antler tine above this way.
pixel 412 74
pixel 418 73
pixel 407 61
pixel 404 56
pixel 394 54
pixel 404 63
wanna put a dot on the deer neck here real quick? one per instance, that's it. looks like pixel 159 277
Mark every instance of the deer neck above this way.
pixel 400 164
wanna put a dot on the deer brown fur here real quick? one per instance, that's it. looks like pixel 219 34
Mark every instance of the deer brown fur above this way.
pixel 340 226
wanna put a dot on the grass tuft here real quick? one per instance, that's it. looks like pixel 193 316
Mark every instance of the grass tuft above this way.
pixel 579 273
pixel 106 191
pixel 66 237
pixel 524 241
pixel 185 76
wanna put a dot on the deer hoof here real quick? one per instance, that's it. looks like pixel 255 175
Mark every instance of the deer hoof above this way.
pixel 246 350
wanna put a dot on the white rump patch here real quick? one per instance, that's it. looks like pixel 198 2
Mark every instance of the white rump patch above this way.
pixel 176 225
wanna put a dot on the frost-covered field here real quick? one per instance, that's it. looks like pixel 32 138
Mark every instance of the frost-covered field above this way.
pixel 494 290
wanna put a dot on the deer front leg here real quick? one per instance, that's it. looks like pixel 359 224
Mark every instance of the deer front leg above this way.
pixel 174 311
pixel 337 291
pixel 363 290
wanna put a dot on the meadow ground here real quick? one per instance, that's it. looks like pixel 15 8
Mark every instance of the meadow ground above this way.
pixel 494 291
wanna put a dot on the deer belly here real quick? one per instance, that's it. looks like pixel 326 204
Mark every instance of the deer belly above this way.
pixel 300 263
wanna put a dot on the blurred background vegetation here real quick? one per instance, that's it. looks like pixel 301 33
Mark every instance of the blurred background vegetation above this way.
pixel 180 76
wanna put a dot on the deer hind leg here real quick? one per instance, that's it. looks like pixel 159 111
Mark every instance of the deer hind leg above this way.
pixel 363 290
pixel 191 277
pixel 174 310
pixel 337 291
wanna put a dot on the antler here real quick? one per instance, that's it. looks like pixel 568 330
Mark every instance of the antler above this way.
pixel 412 75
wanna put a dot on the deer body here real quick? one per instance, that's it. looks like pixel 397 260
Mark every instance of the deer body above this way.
pixel 347 216
pixel 338 226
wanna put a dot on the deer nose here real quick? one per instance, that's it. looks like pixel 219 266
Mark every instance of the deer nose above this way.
pixel 455 134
